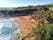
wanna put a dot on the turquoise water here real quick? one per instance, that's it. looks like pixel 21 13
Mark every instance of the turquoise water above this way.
pixel 8 28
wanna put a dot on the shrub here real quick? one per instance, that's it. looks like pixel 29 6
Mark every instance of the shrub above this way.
pixel 43 32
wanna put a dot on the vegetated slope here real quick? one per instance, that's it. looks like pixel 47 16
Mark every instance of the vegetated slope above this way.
pixel 43 15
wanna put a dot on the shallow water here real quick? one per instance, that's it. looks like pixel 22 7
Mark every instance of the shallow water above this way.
pixel 7 28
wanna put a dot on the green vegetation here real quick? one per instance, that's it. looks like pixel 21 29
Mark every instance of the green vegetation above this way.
pixel 35 7
pixel 17 37
pixel 44 30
